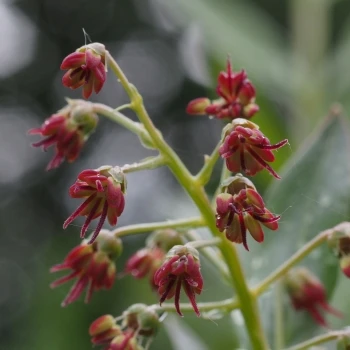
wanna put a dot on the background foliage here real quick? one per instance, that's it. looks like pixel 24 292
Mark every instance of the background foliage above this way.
pixel 296 52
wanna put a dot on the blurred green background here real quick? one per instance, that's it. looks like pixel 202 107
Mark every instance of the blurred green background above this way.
pixel 296 53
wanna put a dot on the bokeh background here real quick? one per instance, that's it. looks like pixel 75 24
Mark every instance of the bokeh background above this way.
pixel 296 53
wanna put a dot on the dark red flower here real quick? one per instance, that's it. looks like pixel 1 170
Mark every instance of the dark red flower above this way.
pixel 92 265
pixel 86 67
pixel 67 132
pixel 125 341
pixel 104 190
pixel 237 97
pixel 180 269
pixel 246 148
pixel 103 330
pixel 307 293
pixel 237 213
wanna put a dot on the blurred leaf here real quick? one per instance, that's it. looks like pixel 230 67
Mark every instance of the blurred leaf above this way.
pixel 181 336
pixel 243 31
pixel 313 195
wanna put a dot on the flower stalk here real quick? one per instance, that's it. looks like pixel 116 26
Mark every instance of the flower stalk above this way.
pixel 187 180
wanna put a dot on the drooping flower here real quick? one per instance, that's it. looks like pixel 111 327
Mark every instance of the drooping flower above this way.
pixel 245 148
pixel 241 208
pixel 92 266
pixel 147 260
pixel 86 67
pixel 68 130
pixel 104 190
pixel 307 293
pixel 236 97
pixel 181 269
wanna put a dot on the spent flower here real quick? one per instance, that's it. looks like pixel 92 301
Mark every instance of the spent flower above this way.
pixel 92 266
pixel 307 293
pixel 103 190
pixel 86 67
pixel 180 269
pixel 245 148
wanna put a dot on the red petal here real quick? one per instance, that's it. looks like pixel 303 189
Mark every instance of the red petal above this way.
pixel 100 223
pixel 92 60
pixel 177 296
pixel 74 60
pixel 90 217
pixel 192 297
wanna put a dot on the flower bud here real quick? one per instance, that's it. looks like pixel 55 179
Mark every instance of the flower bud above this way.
pixel 234 184
pixel 109 244
pixel 142 319
pixel 164 239
pixel 103 330
pixel 198 106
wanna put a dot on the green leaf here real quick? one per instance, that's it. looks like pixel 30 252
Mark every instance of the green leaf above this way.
pixel 312 196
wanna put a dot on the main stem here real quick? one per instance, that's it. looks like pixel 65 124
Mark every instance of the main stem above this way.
pixel 247 300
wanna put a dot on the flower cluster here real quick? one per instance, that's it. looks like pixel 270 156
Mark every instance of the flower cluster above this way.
pixel 236 97
pixel 103 190
pixel 92 266
pixel 181 269
pixel 138 322
pixel 86 67
pixel 67 130
pixel 240 208
pixel 307 293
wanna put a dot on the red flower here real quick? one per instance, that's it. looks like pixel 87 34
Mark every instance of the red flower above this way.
pixel 104 190
pixel 145 261
pixel 237 213
pixel 92 265
pixel 180 269
pixel 237 97
pixel 246 148
pixel 103 330
pixel 86 67
pixel 68 132
pixel 307 293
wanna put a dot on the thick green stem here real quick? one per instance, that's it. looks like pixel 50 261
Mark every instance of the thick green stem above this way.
pixel 247 300
pixel 294 259
pixel 153 226
pixel 224 305
pixel 279 320
pixel 324 338
pixel 146 164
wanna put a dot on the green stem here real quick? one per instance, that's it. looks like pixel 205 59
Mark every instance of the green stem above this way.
pixel 118 118
pixel 247 300
pixel 210 254
pixel 204 243
pixel 153 226
pixel 225 305
pixel 279 320
pixel 203 177
pixel 122 107
pixel 148 163
pixel 294 259
pixel 324 338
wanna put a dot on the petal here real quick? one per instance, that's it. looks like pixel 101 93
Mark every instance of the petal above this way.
pixel 254 228
pixel 192 297
pixel 92 60
pixel 177 296
pixel 76 291
pixel 100 223
pixel 73 60
pixel 90 217
pixel 87 89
